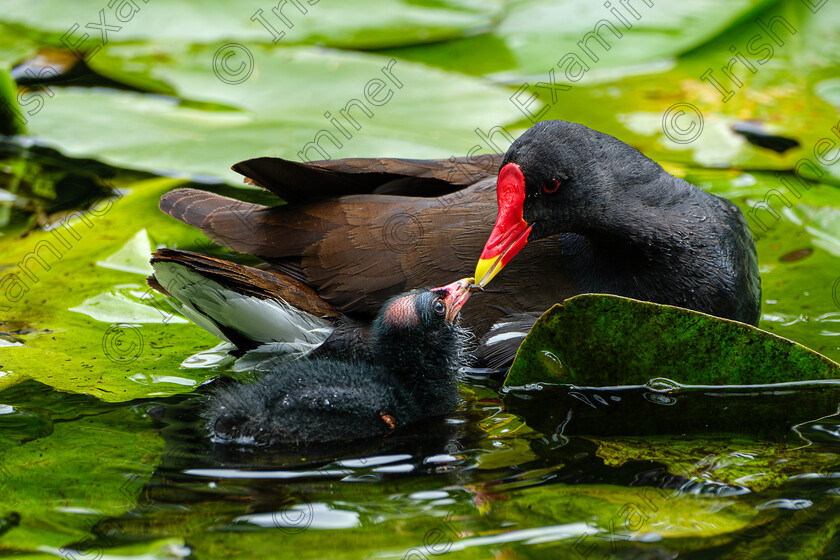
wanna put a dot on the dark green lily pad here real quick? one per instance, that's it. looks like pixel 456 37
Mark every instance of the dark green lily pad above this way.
pixel 626 514
pixel 652 521
pixel 369 24
pixel 81 474
pixel 602 340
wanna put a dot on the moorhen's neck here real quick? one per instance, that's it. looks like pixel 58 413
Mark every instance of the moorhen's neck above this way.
pixel 660 254
pixel 652 226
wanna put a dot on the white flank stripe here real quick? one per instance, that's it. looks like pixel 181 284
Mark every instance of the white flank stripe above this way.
pixel 495 339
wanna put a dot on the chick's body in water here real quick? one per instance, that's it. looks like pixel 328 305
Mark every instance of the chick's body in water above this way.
pixel 410 375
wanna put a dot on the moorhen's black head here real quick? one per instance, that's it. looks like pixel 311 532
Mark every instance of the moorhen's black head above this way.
pixel 626 226
pixel 561 177
pixel 418 330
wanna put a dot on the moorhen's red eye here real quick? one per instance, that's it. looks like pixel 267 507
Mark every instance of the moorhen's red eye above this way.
pixel 439 307
pixel 551 186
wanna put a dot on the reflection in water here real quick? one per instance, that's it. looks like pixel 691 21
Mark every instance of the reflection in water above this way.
pixel 616 470
pixel 619 478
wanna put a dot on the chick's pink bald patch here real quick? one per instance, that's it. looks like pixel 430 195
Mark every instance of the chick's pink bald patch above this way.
pixel 401 313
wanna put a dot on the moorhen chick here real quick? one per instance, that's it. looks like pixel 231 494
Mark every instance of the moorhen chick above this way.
pixel 409 375
pixel 599 215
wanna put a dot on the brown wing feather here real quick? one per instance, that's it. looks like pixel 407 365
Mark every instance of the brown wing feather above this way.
pixel 247 281
pixel 357 251
pixel 293 181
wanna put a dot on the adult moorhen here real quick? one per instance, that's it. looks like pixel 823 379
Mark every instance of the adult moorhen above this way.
pixel 600 217
pixel 410 375
pixel 629 227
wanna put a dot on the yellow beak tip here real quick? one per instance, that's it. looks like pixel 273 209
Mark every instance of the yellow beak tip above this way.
pixel 484 271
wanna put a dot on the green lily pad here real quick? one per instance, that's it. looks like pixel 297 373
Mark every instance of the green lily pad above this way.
pixel 20 43
pixel 536 34
pixel 735 461
pixel 604 516
pixel 605 340
pixel 80 291
pixel 81 474
pixel 804 532
pixel 369 24
pixel 789 94
pixel 421 112
pixel 829 90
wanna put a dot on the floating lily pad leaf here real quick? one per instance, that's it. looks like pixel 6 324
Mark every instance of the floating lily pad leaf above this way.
pixel 824 224
pixel 536 35
pixel 367 24
pixel 779 96
pixel 18 44
pixel 602 340
pixel 133 257
pixel 808 530
pixel 622 515
pixel 829 90
pixel 118 308
pixel 80 474
pixel 734 461
pixel 267 115
pixel 121 346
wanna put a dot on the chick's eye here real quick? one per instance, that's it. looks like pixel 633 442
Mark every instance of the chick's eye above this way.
pixel 551 186
pixel 439 307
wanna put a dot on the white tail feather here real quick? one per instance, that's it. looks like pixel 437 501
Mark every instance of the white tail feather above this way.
pixel 208 303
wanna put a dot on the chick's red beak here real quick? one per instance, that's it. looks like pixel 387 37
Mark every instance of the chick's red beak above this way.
pixel 511 231
pixel 457 294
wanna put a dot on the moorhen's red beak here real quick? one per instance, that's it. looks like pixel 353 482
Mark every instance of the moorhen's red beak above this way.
pixel 511 231
pixel 457 294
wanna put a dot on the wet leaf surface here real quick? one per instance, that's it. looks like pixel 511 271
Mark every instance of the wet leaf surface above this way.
pixel 64 480
pixel 397 22
pixel 240 120
pixel 102 331
pixel 603 340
